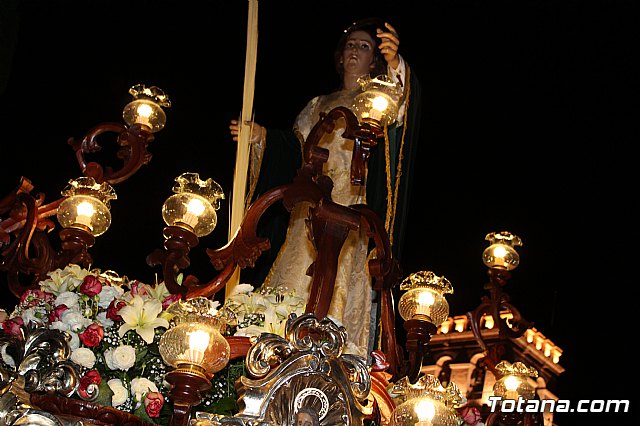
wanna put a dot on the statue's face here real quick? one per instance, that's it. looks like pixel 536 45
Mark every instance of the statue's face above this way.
pixel 357 56
pixel 304 419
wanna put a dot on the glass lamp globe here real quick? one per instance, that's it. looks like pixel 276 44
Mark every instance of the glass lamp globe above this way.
pixel 194 204
pixel 426 403
pixel 501 253
pixel 378 102
pixel 86 206
pixel 514 382
pixel 146 107
pixel 424 298
pixel 194 345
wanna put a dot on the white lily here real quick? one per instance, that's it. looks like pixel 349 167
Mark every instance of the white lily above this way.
pixel 273 323
pixel 67 279
pixel 286 304
pixel 142 316
pixel 242 289
pixel 251 303
pixel 158 292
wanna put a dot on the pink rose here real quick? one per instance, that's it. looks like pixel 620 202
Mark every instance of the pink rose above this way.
pixel 92 377
pixel 138 289
pixel 114 308
pixel 153 403
pixel 57 313
pixel 13 326
pixel 470 415
pixel 90 286
pixel 92 336
pixel 170 299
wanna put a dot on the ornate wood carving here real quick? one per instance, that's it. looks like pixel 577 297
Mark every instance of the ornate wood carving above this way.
pixel 133 152
pixel 497 301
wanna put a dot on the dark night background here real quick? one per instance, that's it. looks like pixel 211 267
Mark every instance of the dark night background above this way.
pixel 530 110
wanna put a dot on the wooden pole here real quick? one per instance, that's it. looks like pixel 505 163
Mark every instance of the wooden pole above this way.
pixel 244 135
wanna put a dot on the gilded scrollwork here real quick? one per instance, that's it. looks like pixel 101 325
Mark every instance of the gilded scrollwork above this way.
pixel 304 371
pixel 39 360
pixel 35 362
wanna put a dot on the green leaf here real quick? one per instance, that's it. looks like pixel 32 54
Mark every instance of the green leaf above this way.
pixel 142 413
pixel 225 406
pixel 105 394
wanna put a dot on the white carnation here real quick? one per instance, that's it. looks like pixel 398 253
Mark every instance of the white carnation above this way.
pixel 32 314
pixel 106 322
pixel 84 357
pixel 141 386
pixel 107 295
pixel 75 320
pixel 120 392
pixel 59 325
pixel 69 299
pixel 120 358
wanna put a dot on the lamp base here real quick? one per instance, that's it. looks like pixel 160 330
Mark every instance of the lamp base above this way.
pixel 186 391
pixel 419 334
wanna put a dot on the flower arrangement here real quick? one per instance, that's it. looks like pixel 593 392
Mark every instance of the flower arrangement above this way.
pixel 114 327
pixel 251 312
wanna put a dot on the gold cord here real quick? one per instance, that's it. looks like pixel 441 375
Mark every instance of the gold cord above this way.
pixel 387 157
pixel 392 197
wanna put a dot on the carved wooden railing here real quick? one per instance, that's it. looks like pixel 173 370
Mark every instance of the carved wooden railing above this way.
pixel 31 255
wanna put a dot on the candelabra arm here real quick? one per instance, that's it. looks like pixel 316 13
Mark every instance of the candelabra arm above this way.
pixel 133 152
pixel 178 243
pixel 500 301
pixel 419 334
pixel 474 319
pixel 493 305
pixel 30 255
